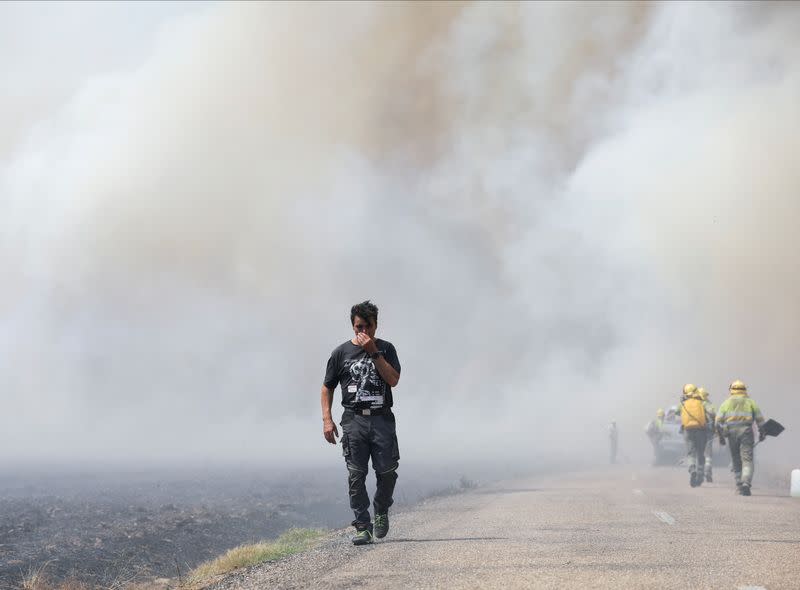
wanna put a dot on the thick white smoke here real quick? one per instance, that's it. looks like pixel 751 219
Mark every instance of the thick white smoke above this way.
pixel 565 211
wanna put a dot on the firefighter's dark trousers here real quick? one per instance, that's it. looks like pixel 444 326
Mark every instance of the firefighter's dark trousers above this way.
pixel 740 443
pixel 709 452
pixel 696 449
pixel 364 438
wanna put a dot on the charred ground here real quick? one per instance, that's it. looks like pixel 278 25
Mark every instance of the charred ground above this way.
pixel 105 527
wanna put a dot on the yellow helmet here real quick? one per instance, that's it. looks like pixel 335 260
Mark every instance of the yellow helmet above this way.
pixel 738 387
pixel 660 413
pixel 701 391
pixel 689 389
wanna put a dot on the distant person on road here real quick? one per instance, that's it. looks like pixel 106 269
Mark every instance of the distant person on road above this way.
pixel 695 431
pixel 711 414
pixel 613 437
pixel 366 368
pixel 735 419
pixel 654 431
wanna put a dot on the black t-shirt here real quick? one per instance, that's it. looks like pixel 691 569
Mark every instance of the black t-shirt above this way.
pixel 362 385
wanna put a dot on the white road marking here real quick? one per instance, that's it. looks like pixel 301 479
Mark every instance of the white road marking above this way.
pixel 751 588
pixel 663 517
pixel 638 492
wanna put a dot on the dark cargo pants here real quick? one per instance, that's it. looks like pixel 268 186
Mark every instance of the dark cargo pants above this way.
pixel 741 442
pixel 709 452
pixel 365 438
pixel 695 449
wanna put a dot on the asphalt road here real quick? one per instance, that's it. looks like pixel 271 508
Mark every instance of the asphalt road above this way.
pixel 616 527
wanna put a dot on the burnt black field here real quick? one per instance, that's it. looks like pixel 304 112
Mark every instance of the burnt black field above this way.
pixel 108 526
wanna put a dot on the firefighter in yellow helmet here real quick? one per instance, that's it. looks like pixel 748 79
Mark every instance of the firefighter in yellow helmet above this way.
pixel 711 413
pixel 735 419
pixel 695 431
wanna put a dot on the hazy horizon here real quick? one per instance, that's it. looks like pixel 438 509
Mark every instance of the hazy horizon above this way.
pixel 564 212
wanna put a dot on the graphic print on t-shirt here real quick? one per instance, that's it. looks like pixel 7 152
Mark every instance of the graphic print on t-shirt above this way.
pixel 362 385
pixel 369 384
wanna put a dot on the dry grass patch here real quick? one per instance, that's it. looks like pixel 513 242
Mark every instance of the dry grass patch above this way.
pixel 38 581
pixel 292 541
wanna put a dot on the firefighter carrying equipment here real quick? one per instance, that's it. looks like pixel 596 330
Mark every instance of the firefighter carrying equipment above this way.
pixel 701 391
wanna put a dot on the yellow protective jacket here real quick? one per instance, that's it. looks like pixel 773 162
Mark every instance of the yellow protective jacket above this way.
pixel 693 414
pixel 738 410
pixel 654 428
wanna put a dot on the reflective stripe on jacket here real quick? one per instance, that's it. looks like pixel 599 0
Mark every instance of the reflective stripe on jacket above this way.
pixel 738 410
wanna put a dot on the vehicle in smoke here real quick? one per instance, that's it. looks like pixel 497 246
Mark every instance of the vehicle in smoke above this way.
pixel 670 446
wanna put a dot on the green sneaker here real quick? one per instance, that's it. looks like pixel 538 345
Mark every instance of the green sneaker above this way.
pixel 363 537
pixel 381 525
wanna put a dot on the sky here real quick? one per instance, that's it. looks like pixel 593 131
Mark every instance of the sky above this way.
pixel 564 212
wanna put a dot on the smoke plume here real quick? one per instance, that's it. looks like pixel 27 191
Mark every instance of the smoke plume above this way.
pixel 564 212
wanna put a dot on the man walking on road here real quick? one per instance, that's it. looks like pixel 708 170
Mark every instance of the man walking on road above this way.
pixel 693 423
pixel 366 368
pixel 654 431
pixel 735 419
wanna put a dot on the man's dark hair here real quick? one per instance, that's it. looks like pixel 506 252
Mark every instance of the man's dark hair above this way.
pixel 365 310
